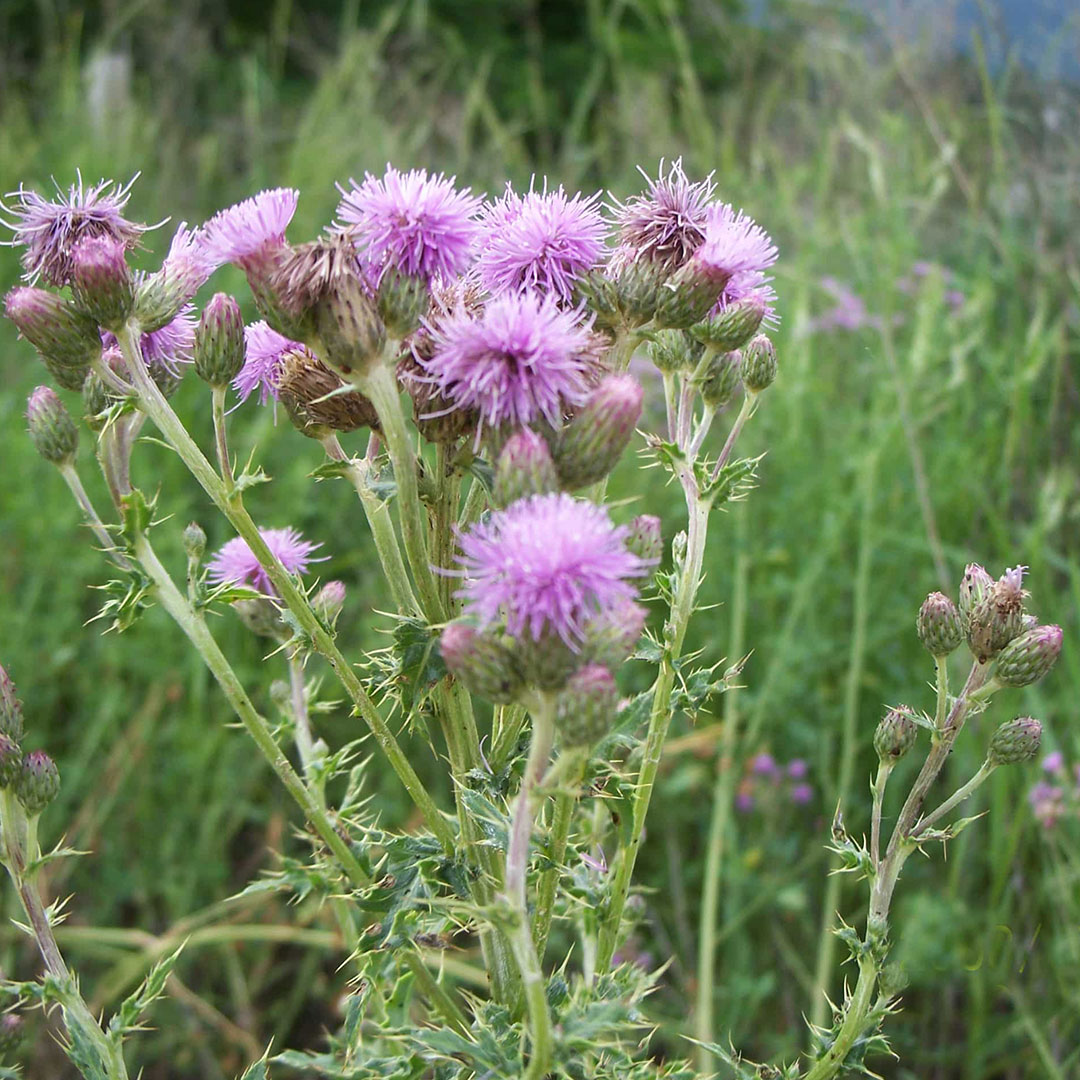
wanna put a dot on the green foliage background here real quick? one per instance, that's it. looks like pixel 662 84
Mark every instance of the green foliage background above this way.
pixel 862 155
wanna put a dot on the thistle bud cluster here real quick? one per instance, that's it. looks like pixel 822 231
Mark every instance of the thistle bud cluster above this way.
pixel 33 778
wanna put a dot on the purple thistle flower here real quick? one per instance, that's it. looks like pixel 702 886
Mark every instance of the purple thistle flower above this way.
pixel 764 764
pixel 744 799
pixel 243 230
pixel 189 263
pixel 1054 762
pixel 235 561
pixel 548 562
pixel 264 352
pixel 666 223
pixel 522 359
pixel 750 285
pixel 734 243
pixel 801 794
pixel 165 347
pixel 419 224
pixel 797 769
pixel 50 229
pixel 543 240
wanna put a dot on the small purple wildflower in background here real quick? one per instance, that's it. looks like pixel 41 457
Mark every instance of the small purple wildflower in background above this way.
pixel 419 224
pixel 797 769
pixel 542 240
pixel 49 229
pixel 243 230
pixel 666 223
pixel 1047 803
pixel 744 797
pixel 801 794
pixel 166 347
pixel 547 563
pixel 1054 763
pixel 922 268
pixel 235 562
pixel 523 358
pixel 264 351
pixel 764 764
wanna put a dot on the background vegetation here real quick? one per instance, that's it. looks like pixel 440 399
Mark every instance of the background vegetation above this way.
pixel 940 430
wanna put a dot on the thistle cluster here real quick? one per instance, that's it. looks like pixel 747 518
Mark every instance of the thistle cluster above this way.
pixel 32 778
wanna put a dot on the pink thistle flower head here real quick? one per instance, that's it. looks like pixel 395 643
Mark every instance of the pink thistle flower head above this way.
pixel 235 561
pixel 189 261
pixel 417 224
pixel 49 229
pixel 245 229
pixel 543 240
pixel 750 285
pixel 548 563
pixel 522 359
pixel 264 353
pixel 734 243
pixel 665 223
pixel 165 348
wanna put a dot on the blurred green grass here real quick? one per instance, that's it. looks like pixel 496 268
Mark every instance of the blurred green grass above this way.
pixel 862 158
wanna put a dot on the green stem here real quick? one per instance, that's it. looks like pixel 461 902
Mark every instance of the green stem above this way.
pixel 565 801
pixel 20 853
pixel 878 792
pixel 718 824
pixel 221 439
pixel 377 512
pixel 230 504
pixel 380 386
pixel 954 800
pixel 476 499
pixel 941 666
pixel 856 1012
pixel 97 526
pixel 197 632
pixel 517 865
pixel 435 993
pixel 746 410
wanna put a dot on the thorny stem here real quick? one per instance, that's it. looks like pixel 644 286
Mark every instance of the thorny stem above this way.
pixel 746 410
pixel 221 436
pixel 878 791
pixel 305 743
pixel 377 512
pixel 231 505
pixel 953 800
pixel 517 864
pixel 197 632
pixel 436 994
pixel 20 854
pixel 97 526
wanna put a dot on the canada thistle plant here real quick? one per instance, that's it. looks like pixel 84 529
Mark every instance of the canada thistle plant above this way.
pixel 485 346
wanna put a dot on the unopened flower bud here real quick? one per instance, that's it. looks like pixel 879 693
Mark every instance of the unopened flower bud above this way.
pixel 1028 657
pixel 10 761
pixel 11 717
pixel 349 327
pixel 329 601
pixel 612 636
pixel 524 467
pixel 758 367
pixel 436 418
pixel 640 289
pixel 672 350
pixel 940 629
pixel 52 431
pixel 586 708
pixel 895 735
pixel 975 582
pixel 261 616
pixel 1016 741
pixel 601 297
pixel 317 401
pixel 12 1032
pixel 38 782
pixel 194 541
pixel 997 616
pixel 689 295
pixel 590 445
pixel 481 662
pixel 546 662
pixel 646 539
pixel 731 328
pixel 101 280
pixel 402 301
pixel 721 379
pixel 67 338
pixel 219 341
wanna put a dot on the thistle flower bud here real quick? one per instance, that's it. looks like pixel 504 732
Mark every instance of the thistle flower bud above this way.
pixel 316 399
pixel 194 541
pixel 590 445
pixel 646 539
pixel 758 366
pixel 939 625
pixel 895 735
pixel 997 616
pixel 1028 657
pixel 481 662
pixel 10 761
pixel 261 616
pixel 38 782
pixel 101 280
pixel 219 341
pixel 96 399
pixel 974 583
pixel 11 717
pixel 673 350
pixel 612 636
pixel 329 601
pixel 436 417
pixel 639 289
pixel 52 431
pixel 524 467
pixel 12 1031
pixel 402 301
pixel 601 297
pixel 1016 741
pixel 689 295
pixel 67 338
pixel 586 708
pixel 546 662
pixel 731 328
pixel 721 379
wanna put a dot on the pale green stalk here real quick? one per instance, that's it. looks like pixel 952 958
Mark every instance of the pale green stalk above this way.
pixel 97 526
pixel 221 438
pixel 955 799
pixel 877 790
pixel 231 505
pixel 436 993
pixel 20 854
